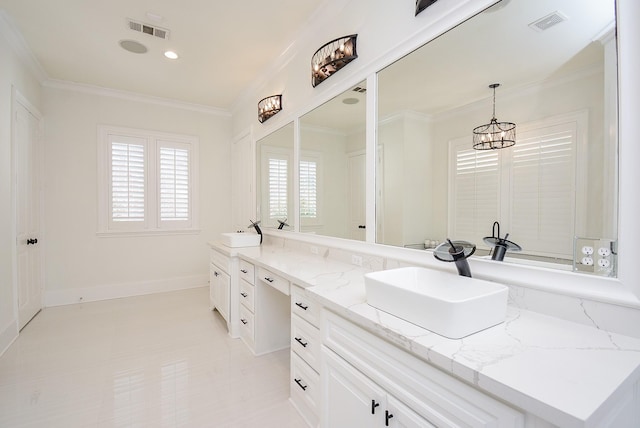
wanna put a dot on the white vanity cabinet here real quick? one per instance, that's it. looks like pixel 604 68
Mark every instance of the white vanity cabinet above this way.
pixel 220 284
pixel 368 382
pixel 305 355
pixel 264 312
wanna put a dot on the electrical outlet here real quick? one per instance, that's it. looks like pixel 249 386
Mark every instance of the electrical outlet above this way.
pixel 313 249
pixel 604 252
pixel 356 260
pixel 587 250
pixel 587 261
pixel 604 263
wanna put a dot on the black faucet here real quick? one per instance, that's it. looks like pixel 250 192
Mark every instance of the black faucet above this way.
pixel 500 245
pixel 256 226
pixel 458 252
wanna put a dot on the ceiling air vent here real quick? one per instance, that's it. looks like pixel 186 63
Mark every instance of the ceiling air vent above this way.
pixel 151 30
pixel 359 89
pixel 548 21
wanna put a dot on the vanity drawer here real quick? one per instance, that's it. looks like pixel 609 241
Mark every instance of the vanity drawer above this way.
pixel 246 294
pixel 305 389
pixel 220 260
pixel 270 278
pixel 305 341
pixel 246 325
pixel 247 271
pixel 303 306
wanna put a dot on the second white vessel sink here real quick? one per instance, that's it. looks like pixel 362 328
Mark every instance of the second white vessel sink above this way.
pixel 450 305
pixel 240 239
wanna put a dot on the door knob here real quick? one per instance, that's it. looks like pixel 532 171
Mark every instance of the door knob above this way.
pixel 33 241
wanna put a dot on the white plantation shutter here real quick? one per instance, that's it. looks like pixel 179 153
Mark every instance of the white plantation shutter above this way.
pixel 127 179
pixel 543 190
pixel 278 178
pixel 476 191
pixel 174 189
pixel 308 189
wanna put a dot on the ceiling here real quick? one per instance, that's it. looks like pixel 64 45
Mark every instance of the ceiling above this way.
pixel 223 45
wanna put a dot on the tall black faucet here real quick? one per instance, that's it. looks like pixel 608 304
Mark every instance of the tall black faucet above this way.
pixel 458 252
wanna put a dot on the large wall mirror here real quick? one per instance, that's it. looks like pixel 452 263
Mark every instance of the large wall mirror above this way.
pixel 332 167
pixel 556 64
pixel 274 171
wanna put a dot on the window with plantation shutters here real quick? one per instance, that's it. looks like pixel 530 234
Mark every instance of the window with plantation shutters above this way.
pixel 147 181
pixel 127 179
pixel 174 183
pixel 308 189
pixel 530 188
pixel 278 179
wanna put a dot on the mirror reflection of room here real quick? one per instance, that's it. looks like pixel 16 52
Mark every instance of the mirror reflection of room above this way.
pixel 332 167
pixel 557 75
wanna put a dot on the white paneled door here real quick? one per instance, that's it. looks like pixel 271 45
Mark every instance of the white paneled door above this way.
pixel 26 149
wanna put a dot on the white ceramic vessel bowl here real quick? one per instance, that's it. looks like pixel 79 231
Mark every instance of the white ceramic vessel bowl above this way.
pixel 450 305
pixel 236 239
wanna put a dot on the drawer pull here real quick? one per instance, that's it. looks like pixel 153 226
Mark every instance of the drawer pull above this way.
pixel 243 270
pixel 387 416
pixel 300 384
pixel 301 306
pixel 373 406
pixel 244 294
pixel 243 321
pixel 299 340
pixel 266 278
pixel 215 273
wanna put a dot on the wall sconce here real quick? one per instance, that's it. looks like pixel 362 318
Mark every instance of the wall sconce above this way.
pixel 423 4
pixel 332 57
pixel 268 107
pixel 494 135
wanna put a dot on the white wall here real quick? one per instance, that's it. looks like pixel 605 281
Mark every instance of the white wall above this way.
pixel 13 73
pixel 81 264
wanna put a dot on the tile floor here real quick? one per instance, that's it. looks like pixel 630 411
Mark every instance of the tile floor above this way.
pixel 161 360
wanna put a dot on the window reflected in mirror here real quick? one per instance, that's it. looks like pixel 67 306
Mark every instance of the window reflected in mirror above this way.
pixel 274 170
pixel 557 83
pixel 332 167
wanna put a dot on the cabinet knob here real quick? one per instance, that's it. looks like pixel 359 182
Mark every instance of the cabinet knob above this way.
pixel 301 306
pixel 299 340
pixel 243 321
pixel 243 270
pixel 362 226
pixel 373 406
pixel 300 384
pixel 215 273
pixel 33 241
pixel 244 294
pixel 387 416
pixel 266 278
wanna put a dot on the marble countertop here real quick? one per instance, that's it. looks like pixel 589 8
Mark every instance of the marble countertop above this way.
pixel 563 372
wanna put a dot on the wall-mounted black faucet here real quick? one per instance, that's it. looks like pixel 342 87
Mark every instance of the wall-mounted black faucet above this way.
pixel 458 252
pixel 283 223
pixel 500 245
pixel 256 226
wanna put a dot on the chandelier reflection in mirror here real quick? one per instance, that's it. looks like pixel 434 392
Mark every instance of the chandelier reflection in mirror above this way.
pixel 494 135
pixel 268 107
pixel 332 57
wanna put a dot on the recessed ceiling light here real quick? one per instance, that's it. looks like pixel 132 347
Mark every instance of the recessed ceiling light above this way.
pixel 350 101
pixel 133 46
pixel 171 55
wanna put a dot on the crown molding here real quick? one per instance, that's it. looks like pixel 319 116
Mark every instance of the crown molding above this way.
pixel 19 45
pixel 134 96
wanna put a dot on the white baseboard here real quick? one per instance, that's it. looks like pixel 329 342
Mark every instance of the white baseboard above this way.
pixel 8 335
pixel 115 291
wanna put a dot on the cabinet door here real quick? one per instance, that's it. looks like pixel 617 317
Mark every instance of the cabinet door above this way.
pixel 398 415
pixel 224 289
pixel 350 399
pixel 213 283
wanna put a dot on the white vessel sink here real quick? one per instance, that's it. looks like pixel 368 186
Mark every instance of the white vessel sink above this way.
pixel 237 239
pixel 450 305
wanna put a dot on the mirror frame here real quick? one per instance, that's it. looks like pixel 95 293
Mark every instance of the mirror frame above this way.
pixel 623 290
